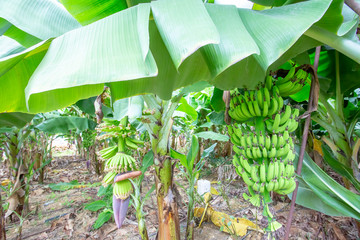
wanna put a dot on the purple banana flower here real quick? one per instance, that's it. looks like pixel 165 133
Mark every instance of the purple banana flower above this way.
pixel 120 207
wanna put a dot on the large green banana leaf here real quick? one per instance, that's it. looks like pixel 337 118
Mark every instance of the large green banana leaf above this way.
pixel 9 47
pixel 41 19
pixel 15 119
pixel 185 42
pixel 336 200
pixel 63 124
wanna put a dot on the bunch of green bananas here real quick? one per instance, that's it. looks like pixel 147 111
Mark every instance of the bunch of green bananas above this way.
pixel 263 146
pixel 292 82
pixel 283 121
pixel 117 161
pixel 111 128
pixel 262 102
pixel 264 161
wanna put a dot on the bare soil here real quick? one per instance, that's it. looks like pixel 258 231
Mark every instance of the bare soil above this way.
pixel 61 215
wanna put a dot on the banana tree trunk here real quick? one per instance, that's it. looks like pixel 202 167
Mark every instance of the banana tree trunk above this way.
pixel 2 222
pixel 159 126
pixel 169 227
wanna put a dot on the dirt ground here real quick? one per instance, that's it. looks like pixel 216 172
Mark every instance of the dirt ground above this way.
pixel 61 215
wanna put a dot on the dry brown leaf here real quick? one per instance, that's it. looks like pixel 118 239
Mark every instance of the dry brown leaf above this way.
pixel 106 230
pixel 13 201
pixel 238 225
pixel 64 179
pixel 44 235
pixel 38 192
pixel 338 232
pixel 69 227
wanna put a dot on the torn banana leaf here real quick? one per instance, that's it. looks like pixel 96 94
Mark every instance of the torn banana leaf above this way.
pixel 229 224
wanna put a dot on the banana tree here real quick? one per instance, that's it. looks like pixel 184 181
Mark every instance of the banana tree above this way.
pixel 331 114
pixel 72 52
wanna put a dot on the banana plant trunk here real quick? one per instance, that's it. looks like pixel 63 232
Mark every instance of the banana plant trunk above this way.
pixel 2 222
pixel 169 227
pixel 159 126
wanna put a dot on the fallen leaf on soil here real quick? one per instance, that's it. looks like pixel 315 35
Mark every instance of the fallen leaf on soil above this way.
pixel 64 179
pixel 13 201
pixel 55 224
pixel 38 191
pixel 5 182
pixel 69 224
pixel 106 231
pixel 238 226
pixel 44 235
pixel 338 232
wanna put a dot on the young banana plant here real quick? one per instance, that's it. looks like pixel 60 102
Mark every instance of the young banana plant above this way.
pixel 341 130
pixel 157 119
pixel 192 171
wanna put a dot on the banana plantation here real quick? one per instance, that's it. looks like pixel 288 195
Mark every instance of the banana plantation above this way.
pixel 179 119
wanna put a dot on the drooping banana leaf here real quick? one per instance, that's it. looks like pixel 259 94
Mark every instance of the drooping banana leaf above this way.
pixel 327 190
pixel 86 12
pixel 213 136
pixel 9 46
pixel 42 19
pixel 15 119
pixel 66 123
pixel 131 107
pixel 157 56
pixel 338 167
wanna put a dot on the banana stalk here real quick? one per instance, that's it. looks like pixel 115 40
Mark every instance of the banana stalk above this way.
pixel 169 227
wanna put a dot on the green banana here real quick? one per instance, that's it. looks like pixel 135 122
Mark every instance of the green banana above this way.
pixel 252 95
pixel 274 139
pixel 262 187
pixel 281 168
pixel 274 106
pixel 260 98
pixel 269 82
pixel 270 185
pixel 235 140
pixel 131 144
pixel 236 150
pixel 288 76
pixel 293 125
pixel 267 141
pixel 264 151
pixel 289 170
pixel 256 108
pixel 271 171
pixel 254 173
pixel 265 109
pixel 288 190
pixel 286 115
pixel 245 164
pixel 249 153
pixel 276 168
pixel 246 179
pixel 256 186
pixel 272 152
pixel 263 172
pixel 278 98
pixel 281 140
pixel 243 141
pixel 251 108
pixel 267 95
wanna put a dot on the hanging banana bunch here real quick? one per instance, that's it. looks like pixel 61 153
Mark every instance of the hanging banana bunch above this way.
pixel 119 165
pixel 261 134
